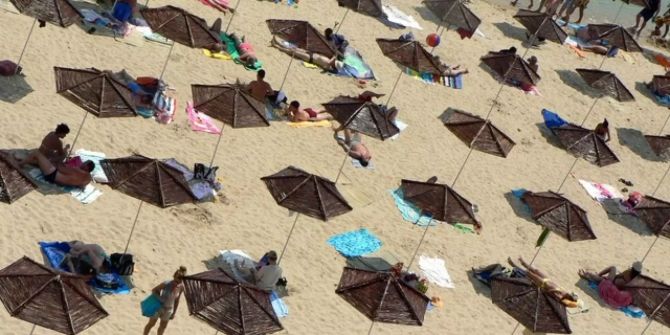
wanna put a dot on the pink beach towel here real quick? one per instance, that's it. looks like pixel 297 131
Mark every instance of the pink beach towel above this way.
pixel 200 122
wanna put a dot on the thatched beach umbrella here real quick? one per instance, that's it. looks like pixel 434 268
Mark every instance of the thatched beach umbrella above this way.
pixel 585 143
pixel 659 144
pixel 478 133
pixel 410 54
pixel 58 12
pixel 617 36
pixel 560 215
pixel 229 306
pixel 655 213
pixel 440 200
pixel 60 301
pixel 14 183
pixel 98 92
pixel 651 296
pixel 541 25
pixel 368 7
pixel 660 85
pixel 454 13
pixel 382 296
pixel 306 193
pixel 511 67
pixel 529 305
pixel 606 82
pixel 149 180
pixel 180 26
pixel 303 35
pixel 231 104
pixel 364 117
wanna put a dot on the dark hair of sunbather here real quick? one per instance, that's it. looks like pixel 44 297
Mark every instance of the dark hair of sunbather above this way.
pixel 62 130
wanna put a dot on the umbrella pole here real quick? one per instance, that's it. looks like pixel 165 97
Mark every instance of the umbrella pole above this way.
pixel 216 148
pixel 78 132
pixel 286 74
pixel 647 326
pixel 233 15
pixel 281 255
pixel 650 247
pixel 416 251
pixel 33 329
pixel 167 60
pixel 344 161
pixel 338 25
pixel 25 45
pixel 371 326
pixel 132 230
pixel 394 87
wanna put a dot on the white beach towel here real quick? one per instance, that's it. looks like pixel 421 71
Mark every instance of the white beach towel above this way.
pixel 600 192
pixel 401 125
pixel 228 257
pixel 357 164
pixel 394 15
pixel 435 271
pixel 87 195
pixel 98 173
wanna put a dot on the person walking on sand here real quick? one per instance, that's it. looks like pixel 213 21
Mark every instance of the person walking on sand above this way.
pixel 652 8
pixel 169 293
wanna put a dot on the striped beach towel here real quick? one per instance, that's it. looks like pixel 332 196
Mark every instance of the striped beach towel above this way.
pixel 455 82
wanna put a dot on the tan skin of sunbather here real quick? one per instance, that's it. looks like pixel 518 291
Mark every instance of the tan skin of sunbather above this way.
pixel 297 114
pixel 60 175
pixel 52 145
pixel 610 273
pixel 589 35
pixel 450 70
pixel 542 281
pixel 259 88
pixel 328 64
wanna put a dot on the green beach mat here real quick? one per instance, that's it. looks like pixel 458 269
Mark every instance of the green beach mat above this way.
pixel 235 54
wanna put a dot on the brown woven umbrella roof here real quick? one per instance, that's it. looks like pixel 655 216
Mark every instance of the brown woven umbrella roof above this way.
pixel 59 12
pixel 659 144
pixel 529 305
pixel 454 12
pixel 661 85
pixel 14 183
pixel 306 193
pixel 229 306
pixel 364 117
pixel 303 35
pixel 586 144
pixel 231 104
pixel 617 36
pixel 651 296
pixel 48 298
pixel 559 215
pixel 98 92
pixel 542 25
pixel 410 54
pixel 368 7
pixel 439 200
pixel 382 297
pixel 180 26
pixel 149 180
pixel 479 134
pixel 655 213
pixel 515 67
pixel 606 82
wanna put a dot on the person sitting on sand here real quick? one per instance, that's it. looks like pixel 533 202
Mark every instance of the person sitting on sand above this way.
pixel 628 205
pixel 60 174
pixel 259 88
pixel 52 145
pixel 611 286
pixel 542 281
pixel 296 114
pixel 267 276
pixel 532 63
pixel 338 40
pixel 602 130
pixel 92 255
pixel 328 64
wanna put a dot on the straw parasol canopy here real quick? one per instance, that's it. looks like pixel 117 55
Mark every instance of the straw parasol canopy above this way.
pixel 368 7
pixel 659 144
pixel 651 296
pixel 529 305
pixel 660 85
pixel 511 67
pixel 98 92
pixel 364 117
pixel 655 213
pixel 559 215
pixel 410 54
pixel 455 13
pixel 542 25
pixel 149 180
pixel 439 200
pixel 478 133
pixel 606 82
pixel 231 104
pixel 586 144
pixel 14 183
pixel 616 36
pixel 382 297
pixel 303 35
pixel 229 306
pixel 306 193
pixel 180 26
pixel 55 300
pixel 59 12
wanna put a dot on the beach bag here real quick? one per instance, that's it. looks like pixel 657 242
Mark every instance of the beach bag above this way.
pixel 123 264
pixel 8 68
pixel 165 106
pixel 106 281
pixel 202 172
pixel 150 305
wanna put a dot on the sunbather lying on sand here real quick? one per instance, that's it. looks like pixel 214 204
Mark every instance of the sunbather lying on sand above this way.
pixel 61 174
pixel 543 282
pixel 611 285
pixel 353 143
pixel 450 70
pixel 327 64
pixel 296 114
pixel 590 35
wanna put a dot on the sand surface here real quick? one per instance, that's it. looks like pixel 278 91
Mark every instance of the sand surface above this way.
pixel 248 217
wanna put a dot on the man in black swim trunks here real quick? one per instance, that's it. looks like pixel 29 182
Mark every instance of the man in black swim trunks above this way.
pixel 60 175
pixel 651 10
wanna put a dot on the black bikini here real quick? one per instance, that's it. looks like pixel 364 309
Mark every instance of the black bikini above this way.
pixel 51 177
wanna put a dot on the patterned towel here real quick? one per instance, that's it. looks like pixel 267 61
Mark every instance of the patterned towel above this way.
pixel 355 243
pixel 455 82
pixel 410 212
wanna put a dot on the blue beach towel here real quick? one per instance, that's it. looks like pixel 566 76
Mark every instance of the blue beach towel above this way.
pixel 662 99
pixel 630 310
pixel 551 119
pixel 55 253
pixel 355 66
pixel 122 11
pixel 410 212
pixel 278 305
pixel 355 243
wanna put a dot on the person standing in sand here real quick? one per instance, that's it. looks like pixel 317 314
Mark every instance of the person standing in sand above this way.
pixel 652 8
pixel 169 293
pixel 52 145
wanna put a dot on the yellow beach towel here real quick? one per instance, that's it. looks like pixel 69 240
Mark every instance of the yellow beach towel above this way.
pixel 310 124
pixel 309 65
pixel 217 55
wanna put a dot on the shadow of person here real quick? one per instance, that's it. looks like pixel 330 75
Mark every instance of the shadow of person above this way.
pixel 549 136
pixel 637 143
pixel 572 79
pixel 14 88
pixel 519 208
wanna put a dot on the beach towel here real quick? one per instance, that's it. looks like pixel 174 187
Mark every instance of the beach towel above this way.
pixel 662 99
pixel 355 66
pixel 435 271
pixel 216 4
pixel 311 124
pixel 518 193
pixel 661 60
pixel 401 126
pixel 278 305
pixel 200 122
pixel 551 119
pixel 86 196
pixel 229 257
pixel 55 252
pixel 158 38
pixel 410 212
pixel 355 243
pixel 455 82
pixel 216 55
pixel 357 164
pixel 630 310
pixel 600 192
pixel 235 54
pixel 394 16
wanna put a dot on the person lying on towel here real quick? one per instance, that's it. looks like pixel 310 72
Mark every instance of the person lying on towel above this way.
pixel 353 143
pixel 450 70
pixel 87 259
pixel 332 65
pixel 296 114
pixel 590 35
pixel 246 50
pixel 60 174
pixel 541 280
pixel 611 286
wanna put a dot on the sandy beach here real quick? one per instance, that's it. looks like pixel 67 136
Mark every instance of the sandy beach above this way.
pixel 248 218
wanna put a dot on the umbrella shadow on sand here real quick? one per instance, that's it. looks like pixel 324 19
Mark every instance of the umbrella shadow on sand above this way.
pixel 519 208
pixel 635 141
pixel 511 31
pixel 572 79
pixel 549 136
pixel 427 15
pixel 477 285
pixel 14 88
pixel 611 207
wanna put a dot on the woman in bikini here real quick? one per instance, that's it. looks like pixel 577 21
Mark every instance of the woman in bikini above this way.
pixel 541 280
pixel 169 293
pixel 328 64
